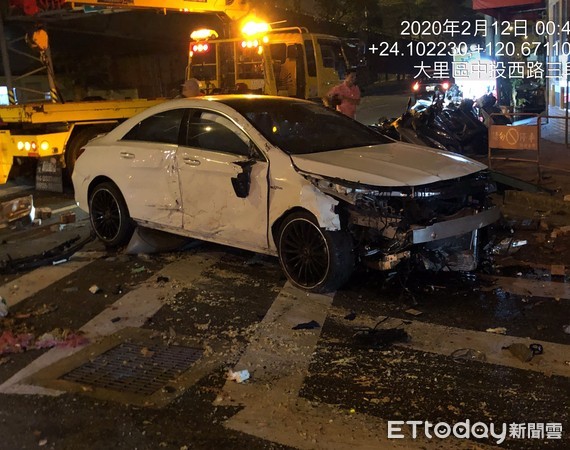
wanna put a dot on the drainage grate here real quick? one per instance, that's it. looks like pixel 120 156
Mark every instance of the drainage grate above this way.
pixel 135 368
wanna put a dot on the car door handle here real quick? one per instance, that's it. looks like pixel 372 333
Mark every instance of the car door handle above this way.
pixel 127 155
pixel 191 162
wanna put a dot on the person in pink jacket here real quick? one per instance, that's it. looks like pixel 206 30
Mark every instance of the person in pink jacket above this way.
pixel 346 95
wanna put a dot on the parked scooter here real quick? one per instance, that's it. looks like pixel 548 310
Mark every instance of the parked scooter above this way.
pixel 463 123
pixel 403 128
pixel 487 106
pixel 455 129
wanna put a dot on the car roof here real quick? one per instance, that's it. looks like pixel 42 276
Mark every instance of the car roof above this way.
pixel 223 103
pixel 235 99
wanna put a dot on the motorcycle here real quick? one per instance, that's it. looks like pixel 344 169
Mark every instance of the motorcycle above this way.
pixel 417 125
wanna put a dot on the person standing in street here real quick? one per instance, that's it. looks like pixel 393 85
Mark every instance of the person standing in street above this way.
pixel 346 95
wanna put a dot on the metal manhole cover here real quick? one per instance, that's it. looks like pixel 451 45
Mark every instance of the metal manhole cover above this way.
pixel 130 366
pixel 135 368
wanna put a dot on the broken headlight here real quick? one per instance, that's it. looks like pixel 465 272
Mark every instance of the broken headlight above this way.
pixel 353 192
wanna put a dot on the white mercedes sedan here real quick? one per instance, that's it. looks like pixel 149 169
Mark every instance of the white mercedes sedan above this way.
pixel 285 177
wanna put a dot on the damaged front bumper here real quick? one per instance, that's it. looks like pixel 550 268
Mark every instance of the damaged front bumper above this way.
pixel 440 221
pixel 455 227
pixel 447 245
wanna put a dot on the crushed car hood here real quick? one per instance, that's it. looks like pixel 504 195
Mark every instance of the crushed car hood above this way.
pixel 394 164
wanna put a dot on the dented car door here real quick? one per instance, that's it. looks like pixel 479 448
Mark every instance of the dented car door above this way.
pixel 147 158
pixel 223 180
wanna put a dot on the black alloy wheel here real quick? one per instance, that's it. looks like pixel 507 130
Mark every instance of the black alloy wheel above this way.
pixel 314 259
pixel 109 215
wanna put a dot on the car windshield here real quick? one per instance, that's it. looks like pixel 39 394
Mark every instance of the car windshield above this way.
pixel 299 127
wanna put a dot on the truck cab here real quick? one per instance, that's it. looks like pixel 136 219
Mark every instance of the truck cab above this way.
pixel 286 61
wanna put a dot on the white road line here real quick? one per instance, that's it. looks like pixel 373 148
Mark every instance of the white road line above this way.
pixel 31 283
pixel 276 350
pixel 132 310
pixel 295 422
pixel 278 359
pixel 444 340
pixel 532 288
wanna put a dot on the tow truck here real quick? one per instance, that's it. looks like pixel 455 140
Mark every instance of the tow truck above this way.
pixel 55 129
pixel 283 61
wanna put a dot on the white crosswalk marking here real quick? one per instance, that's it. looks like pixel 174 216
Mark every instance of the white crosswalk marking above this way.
pixel 279 358
pixel 132 310
pixel 531 288
pixel 33 282
pixel 428 337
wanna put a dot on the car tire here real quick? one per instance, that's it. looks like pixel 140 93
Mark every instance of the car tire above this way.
pixel 312 258
pixel 109 215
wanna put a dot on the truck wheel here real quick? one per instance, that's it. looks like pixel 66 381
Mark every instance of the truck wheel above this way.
pixel 78 140
pixel 109 215
pixel 312 258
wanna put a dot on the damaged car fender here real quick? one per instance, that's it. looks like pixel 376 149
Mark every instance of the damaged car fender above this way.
pixel 289 190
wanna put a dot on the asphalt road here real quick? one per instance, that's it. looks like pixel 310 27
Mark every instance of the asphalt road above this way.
pixel 333 386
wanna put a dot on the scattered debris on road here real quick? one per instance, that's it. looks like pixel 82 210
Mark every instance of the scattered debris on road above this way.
pixel 379 338
pixel 57 254
pixel 66 218
pixel 94 289
pixel 350 316
pixel 16 209
pixel 58 337
pixel 508 246
pixel 240 376
pixel 3 308
pixel 520 351
pixel 468 354
pixel 307 326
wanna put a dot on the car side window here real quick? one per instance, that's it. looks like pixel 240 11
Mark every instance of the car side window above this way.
pixel 212 131
pixel 163 127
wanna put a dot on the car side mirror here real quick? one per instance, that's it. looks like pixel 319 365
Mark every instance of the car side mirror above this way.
pixel 242 181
